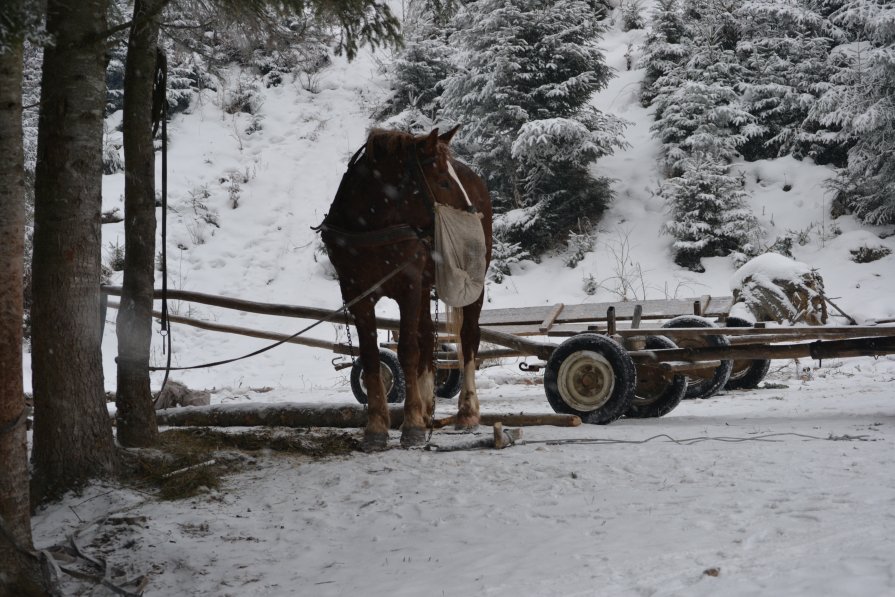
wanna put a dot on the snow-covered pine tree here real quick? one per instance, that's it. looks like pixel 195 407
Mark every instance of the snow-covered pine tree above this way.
pixel 699 107
pixel 530 68
pixel 709 216
pixel 553 154
pixel 860 104
pixel 784 45
pixel 664 48
pixel 418 72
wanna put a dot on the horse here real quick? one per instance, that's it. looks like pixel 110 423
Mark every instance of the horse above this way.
pixel 378 234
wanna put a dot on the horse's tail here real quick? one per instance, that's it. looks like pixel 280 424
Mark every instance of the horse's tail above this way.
pixel 454 323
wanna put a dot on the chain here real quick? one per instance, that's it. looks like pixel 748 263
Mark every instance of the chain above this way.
pixel 435 349
pixel 435 333
pixel 348 333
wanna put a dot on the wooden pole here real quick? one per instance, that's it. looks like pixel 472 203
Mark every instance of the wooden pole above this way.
pixel 854 347
pixel 232 329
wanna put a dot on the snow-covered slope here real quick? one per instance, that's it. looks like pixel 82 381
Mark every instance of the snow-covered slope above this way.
pixel 283 175
pixel 770 506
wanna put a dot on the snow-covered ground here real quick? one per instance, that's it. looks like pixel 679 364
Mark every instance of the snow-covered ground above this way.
pixel 789 490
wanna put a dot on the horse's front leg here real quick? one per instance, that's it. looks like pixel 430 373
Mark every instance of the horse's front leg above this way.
pixel 376 432
pixel 426 348
pixel 470 336
pixel 413 431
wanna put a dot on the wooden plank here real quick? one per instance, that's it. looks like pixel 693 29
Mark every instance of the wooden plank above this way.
pixel 651 309
pixel 749 335
pixel 542 350
pixel 551 317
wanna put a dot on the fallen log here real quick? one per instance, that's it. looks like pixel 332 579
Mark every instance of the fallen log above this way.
pixel 517 420
pixel 292 414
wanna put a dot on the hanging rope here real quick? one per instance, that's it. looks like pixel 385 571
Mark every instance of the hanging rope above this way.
pixel 160 118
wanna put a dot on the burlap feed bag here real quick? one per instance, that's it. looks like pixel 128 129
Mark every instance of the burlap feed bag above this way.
pixel 459 255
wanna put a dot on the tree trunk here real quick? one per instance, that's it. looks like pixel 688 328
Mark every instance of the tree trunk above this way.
pixel 72 430
pixel 19 575
pixel 136 415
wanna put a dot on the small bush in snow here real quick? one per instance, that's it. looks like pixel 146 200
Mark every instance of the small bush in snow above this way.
pixel 112 161
pixel 632 15
pixel 869 254
pixel 504 255
pixel 115 257
pixel 590 285
pixel 243 96
pixel 579 245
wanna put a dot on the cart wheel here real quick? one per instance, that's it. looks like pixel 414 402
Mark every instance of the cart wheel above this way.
pixel 590 376
pixel 698 387
pixel 448 382
pixel 746 374
pixel 390 372
pixel 656 393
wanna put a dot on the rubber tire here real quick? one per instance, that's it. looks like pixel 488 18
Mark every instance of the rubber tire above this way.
pixel 448 382
pixel 668 399
pixel 751 376
pixel 709 387
pixel 388 359
pixel 619 361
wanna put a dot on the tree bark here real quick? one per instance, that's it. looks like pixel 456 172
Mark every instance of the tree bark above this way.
pixel 72 430
pixel 18 575
pixel 136 416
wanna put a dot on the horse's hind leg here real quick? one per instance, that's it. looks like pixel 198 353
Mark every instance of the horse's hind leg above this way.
pixel 376 432
pixel 413 431
pixel 470 336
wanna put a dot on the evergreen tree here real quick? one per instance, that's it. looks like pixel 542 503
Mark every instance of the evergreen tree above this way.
pixel 709 217
pixel 784 47
pixel 20 572
pixel 860 105
pixel 700 108
pixel 665 47
pixel 418 72
pixel 530 67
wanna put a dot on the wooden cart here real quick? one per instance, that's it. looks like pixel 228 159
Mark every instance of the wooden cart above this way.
pixel 602 361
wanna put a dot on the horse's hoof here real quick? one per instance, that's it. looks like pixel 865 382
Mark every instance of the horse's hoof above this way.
pixel 375 442
pixel 413 437
pixel 470 424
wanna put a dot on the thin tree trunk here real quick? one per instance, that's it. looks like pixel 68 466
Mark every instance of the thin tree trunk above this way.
pixel 136 415
pixel 72 430
pixel 19 575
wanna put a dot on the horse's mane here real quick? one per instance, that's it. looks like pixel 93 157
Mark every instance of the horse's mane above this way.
pixel 383 143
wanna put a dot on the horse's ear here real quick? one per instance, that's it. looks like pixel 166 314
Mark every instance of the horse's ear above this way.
pixel 446 137
pixel 429 145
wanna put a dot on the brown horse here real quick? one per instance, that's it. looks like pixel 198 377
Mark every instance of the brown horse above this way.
pixel 378 234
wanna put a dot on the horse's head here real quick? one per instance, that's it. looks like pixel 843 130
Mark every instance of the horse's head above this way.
pixel 413 169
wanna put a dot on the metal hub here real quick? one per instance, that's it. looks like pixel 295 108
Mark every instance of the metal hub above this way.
pixel 385 374
pixel 585 380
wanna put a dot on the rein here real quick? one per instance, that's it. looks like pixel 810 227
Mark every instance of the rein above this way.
pixel 327 318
